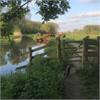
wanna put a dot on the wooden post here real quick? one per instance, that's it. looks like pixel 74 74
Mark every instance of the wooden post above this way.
pixel 59 49
pixel 85 50
pixel 30 55
pixel 63 50
pixel 98 50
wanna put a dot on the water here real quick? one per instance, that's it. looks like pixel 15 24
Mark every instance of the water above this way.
pixel 16 55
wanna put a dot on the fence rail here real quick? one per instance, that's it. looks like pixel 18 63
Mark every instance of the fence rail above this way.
pixel 82 50
pixel 91 49
pixel 36 49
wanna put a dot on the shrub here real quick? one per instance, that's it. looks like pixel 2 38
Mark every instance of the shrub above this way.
pixel 89 75
pixel 42 80
pixel 44 77
pixel 12 85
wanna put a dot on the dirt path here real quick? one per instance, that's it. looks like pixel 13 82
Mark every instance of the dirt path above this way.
pixel 72 86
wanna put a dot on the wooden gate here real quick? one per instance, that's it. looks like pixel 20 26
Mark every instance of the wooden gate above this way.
pixel 75 48
pixel 81 51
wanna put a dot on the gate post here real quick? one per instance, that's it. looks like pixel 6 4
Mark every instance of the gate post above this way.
pixel 30 55
pixel 85 50
pixel 98 51
pixel 59 54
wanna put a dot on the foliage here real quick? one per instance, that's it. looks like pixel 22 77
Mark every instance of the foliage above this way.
pixel 92 29
pixel 50 9
pixel 80 34
pixel 45 77
pixel 42 80
pixel 17 9
pixel 52 49
pixel 49 27
pixel 29 27
pixel 89 76
pixel 12 85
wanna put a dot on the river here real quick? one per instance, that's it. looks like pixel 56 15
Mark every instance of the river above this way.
pixel 16 55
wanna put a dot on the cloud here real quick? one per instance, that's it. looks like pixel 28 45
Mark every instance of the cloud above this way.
pixel 56 21
pixel 73 20
pixel 31 4
pixel 78 21
pixel 78 18
pixel 90 1
pixel 86 15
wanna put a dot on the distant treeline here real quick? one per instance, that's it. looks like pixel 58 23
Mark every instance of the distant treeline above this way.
pixel 26 26
pixel 88 29
pixel 32 27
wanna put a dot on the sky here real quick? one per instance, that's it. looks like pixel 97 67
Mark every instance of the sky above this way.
pixel 82 12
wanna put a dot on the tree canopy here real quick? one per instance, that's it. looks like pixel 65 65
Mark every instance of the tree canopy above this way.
pixel 31 27
pixel 12 10
pixel 48 9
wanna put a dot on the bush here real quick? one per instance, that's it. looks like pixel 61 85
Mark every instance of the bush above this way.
pixel 45 75
pixel 90 79
pixel 12 85
pixel 42 80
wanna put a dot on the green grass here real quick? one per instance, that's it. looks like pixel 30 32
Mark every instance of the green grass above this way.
pixel 79 36
pixel 42 80
pixel 89 76
pixel 68 36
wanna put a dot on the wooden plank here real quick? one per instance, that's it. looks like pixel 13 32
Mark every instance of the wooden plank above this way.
pixel 19 68
pixel 33 50
pixel 69 48
pixel 91 54
pixel 74 49
pixel 72 42
pixel 76 56
pixel 91 42
pixel 80 48
pixel 77 60
pixel 77 51
pixel 42 47
pixel 42 54
pixel 92 47
pixel 92 50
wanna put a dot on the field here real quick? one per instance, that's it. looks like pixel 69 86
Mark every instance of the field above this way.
pixel 80 36
pixel 69 36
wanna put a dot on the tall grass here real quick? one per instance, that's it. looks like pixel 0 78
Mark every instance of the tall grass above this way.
pixel 89 76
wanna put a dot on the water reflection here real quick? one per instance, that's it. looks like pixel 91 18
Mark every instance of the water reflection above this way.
pixel 14 54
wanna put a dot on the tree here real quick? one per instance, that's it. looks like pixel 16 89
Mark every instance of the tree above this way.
pixel 49 27
pixel 17 9
pixel 92 29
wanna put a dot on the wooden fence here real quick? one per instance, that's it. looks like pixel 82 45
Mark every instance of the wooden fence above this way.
pixel 75 47
pixel 34 50
pixel 82 50
pixel 31 56
pixel 91 49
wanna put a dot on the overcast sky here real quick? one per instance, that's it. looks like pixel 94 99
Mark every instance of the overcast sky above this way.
pixel 82 12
